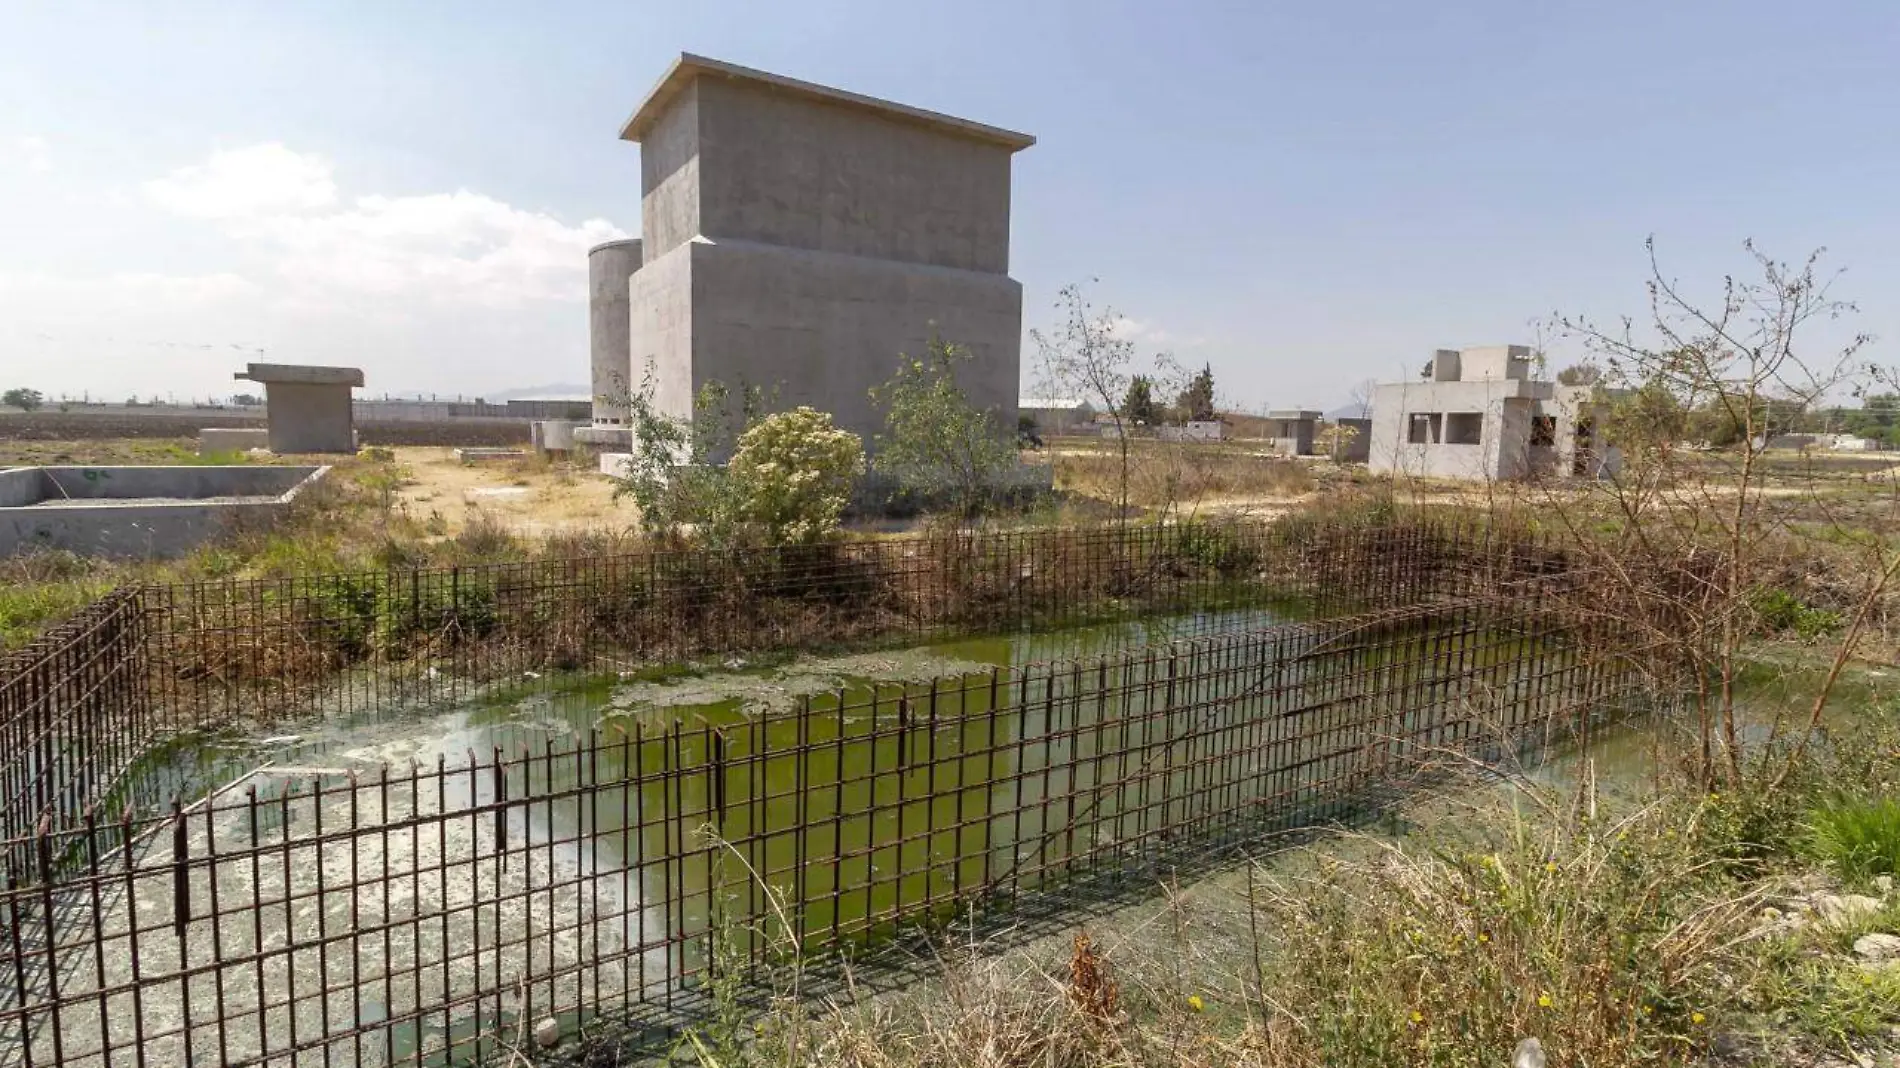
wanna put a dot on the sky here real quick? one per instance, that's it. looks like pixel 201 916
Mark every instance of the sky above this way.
pixel 1302 196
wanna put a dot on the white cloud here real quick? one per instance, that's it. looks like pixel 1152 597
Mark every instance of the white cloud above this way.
pixel 281 207
pixel 438 247
pixel 442 290
pixel 33 149
pixel 258 181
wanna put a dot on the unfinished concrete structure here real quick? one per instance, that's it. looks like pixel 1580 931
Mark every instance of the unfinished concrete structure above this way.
pixel 1480 416
pixel 1351 441
pixel 308 408
pixel 610 270
pixel 140 512
pixel 1290 431
pixel 798 238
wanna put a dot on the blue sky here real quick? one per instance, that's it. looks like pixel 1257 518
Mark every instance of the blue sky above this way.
pixel 1304 196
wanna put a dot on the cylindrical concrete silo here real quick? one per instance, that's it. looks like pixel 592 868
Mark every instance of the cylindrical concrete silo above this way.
pixel 609 267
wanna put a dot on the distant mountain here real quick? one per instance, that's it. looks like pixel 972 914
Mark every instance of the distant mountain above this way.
pixel 552 391
pixel 1350 411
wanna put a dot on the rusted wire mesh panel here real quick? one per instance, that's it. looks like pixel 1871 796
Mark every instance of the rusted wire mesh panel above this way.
pixel 341 643
pixel 298 917
pixel 74 714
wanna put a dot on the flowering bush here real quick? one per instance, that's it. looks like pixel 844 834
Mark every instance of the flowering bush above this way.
pixel 792 473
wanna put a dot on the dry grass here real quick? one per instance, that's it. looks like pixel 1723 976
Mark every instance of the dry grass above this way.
pixel 1184 474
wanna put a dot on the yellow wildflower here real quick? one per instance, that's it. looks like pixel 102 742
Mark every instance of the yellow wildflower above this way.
pixel 1417 1016
pixel 1543 1001
pixel 1195 1003
pixel 1696 1017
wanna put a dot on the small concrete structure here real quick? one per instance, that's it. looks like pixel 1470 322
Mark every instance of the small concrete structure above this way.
pixel 1480 416
pixel 1290 431
pixel 1195 430
pixel 799 239
pixel 487 455
pixel 1057 415
pixel 140 511
pixel 1351 441
pixel 215 440
pixel 308 407
pixel 553 437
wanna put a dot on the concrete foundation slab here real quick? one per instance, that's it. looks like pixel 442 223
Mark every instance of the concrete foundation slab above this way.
pixel 477 456
pixel 215 440
pixel 140 511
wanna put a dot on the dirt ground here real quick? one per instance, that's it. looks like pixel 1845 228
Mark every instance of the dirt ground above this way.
pixel 531 497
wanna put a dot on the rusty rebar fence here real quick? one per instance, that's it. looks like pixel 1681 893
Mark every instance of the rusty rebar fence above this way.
pixel 430 914
pixel 74 714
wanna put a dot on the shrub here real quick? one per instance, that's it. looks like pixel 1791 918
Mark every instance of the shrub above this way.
pixel 1780 612
pixel 792 475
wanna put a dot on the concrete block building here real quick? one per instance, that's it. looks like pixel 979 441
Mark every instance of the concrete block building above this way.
pixel 1290 431
pixel 1480 416
pixel 798 238
pixel 307 407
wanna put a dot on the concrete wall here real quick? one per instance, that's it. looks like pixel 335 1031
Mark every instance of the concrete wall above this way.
pixel 1504 406
pixel 819 328
pixel 610 268
pixel 214 439
pixel 669 178
pixel 310 418
pixel 71 507
pixel 786 170
pixel 1356 448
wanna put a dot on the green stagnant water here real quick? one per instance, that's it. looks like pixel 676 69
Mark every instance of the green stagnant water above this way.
pixel 921 819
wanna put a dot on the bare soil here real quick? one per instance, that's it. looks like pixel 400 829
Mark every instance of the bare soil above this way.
pixel 530 497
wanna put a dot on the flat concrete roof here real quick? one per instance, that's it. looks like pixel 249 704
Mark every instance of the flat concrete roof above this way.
pixel 1292 413
pixel 689 66
pixel 303 374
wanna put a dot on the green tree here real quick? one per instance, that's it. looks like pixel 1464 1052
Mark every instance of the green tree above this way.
pixel 673 476
pixel 791 476
pixel 1197 400
pixel 935 441
pixel 1580 374
pixel 22 398
pixel 1138 404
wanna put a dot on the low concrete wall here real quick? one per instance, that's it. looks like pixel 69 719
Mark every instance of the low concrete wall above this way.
pixel 216 439
pixel 140 511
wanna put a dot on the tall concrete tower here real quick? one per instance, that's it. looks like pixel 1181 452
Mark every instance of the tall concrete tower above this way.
pixel 799 238
pixel 610 268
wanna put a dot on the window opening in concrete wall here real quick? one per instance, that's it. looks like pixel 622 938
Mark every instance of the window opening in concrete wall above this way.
pixel 1425 428
pixel 1543 431
pixel 1585 456
pixel 1464 428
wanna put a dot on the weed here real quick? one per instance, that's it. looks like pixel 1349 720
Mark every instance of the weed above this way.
pixel 1857 838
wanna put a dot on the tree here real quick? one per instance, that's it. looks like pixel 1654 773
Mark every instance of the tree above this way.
pixel 935 441
pixel 673 474
pixel 1086 356
pixel 22 398
pixel 1138 404
pixel 1580 374
pixel 1693 557
pixel 792 474
pixel 1197 399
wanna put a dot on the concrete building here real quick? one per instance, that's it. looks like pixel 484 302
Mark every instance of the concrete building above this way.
pixel 610 270
pixel 307 408
pixel 798 238
pixel 1481 416
pixel 1291 431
